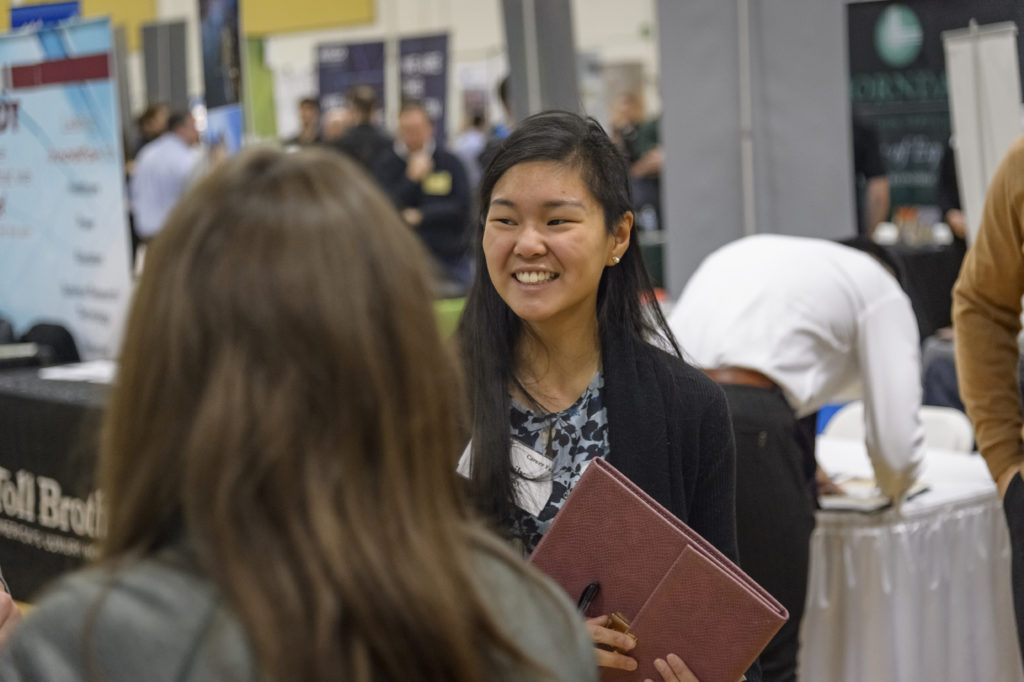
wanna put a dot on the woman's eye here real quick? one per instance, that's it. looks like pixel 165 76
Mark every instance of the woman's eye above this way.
pixel 503 221
pixel 557 221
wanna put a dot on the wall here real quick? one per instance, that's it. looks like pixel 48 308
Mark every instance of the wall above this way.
pixel 799 133
pixel 602 27
pixel 476 35
pixel 188 11
pixel 477 40
pixel 477 43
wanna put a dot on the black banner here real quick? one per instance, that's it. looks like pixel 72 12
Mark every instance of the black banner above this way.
pixel 898 82
pixel 423 64
pixel 222 63
pixel 341 66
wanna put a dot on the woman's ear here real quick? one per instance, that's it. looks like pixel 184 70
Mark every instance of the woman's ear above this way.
pixel 621 235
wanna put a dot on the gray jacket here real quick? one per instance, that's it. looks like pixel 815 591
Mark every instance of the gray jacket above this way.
pixel 155 620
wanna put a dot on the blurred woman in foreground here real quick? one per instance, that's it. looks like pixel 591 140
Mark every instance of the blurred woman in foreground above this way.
pixel 277 460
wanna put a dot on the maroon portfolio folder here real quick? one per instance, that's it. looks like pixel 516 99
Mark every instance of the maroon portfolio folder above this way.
pixel 677 593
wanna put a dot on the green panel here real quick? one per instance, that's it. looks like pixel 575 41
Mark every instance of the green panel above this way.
pixel 260 115
pixel 448 312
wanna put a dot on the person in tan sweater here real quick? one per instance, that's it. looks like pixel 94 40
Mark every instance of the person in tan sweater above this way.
pixel 986 321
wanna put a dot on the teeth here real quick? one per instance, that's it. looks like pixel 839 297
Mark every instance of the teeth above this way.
pixel 534 277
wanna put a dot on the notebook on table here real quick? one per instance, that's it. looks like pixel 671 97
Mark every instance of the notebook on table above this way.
pixel 677 593
pixel 861 494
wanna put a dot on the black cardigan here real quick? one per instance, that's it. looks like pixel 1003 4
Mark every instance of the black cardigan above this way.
pixel 669 431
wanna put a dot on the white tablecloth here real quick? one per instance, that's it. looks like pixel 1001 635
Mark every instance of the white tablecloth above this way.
pixel 912 596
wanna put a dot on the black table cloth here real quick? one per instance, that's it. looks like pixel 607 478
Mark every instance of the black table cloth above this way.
pixel 49 508
pixel 929 273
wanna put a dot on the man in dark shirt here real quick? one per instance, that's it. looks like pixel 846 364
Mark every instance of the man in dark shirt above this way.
pixel 152 123
pixel 364 141
pixel 872 188
pixel 430 189
pixel 947 196
pixel 309 120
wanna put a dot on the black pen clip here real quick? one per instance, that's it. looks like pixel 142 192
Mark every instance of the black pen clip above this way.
pixel 588 596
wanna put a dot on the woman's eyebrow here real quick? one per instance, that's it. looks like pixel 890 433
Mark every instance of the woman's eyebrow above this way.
pixel 558 203
pixel 551 203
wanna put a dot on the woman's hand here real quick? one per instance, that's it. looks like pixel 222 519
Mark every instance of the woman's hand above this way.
pixel 957 222
pixel 613 638
pixel 826 486
pixel 10 616
pixel 672 669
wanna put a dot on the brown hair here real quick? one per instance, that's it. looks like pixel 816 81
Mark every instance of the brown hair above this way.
pixel 414 105
pixel 285 401
pixel 153 110
pixel 363 100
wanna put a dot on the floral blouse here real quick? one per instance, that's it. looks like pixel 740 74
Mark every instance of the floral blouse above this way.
pixel 570 439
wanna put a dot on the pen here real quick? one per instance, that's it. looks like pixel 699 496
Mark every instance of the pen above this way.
pixel 588 596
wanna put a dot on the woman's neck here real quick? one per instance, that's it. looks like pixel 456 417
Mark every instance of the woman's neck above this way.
pixel 555 368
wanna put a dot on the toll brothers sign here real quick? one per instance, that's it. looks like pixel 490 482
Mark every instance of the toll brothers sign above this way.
pixel 36 512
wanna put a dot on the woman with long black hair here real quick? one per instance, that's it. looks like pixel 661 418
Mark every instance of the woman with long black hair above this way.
pixel 561 342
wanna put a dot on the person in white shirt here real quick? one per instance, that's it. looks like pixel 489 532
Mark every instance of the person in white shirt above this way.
pixel 787 325
pixel 163 170
pixel 468 145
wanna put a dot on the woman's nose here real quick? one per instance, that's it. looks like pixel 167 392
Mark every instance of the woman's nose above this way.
pixel 530 242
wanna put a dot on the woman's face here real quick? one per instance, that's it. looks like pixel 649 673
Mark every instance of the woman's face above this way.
pixel 546 244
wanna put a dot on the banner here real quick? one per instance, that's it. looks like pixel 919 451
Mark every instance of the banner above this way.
pixel 47 15
pixel 222 64
pixel 898 84
pixel 423 65
pixel 63 231
pixel 259 92
pixel 984 91
pixel 341 66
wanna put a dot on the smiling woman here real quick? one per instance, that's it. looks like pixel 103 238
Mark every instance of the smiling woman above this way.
pixel 556 340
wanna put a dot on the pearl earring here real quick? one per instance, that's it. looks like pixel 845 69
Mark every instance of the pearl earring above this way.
pixel 615 260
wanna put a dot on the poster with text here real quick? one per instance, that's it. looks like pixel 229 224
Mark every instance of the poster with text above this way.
pixel 898 83
pixel 982 67
pixel 63 230
pixel 341 66
pixel 423 69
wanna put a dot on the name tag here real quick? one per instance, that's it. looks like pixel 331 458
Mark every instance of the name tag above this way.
pixel 438 184
pixel 532 485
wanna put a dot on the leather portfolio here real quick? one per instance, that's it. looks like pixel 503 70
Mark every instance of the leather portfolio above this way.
pixel 675 592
